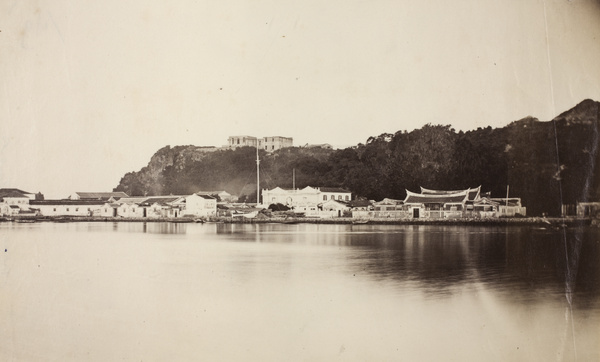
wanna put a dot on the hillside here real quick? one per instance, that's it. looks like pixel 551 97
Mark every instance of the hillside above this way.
pixel 545 163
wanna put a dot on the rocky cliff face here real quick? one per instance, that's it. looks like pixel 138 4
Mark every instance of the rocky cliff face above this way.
pixel 547 164
pixel 150 179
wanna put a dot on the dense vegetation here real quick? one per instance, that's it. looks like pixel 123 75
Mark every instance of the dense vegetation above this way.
pixel 545 163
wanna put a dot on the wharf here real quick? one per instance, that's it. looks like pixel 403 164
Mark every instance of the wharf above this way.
pixel 547 222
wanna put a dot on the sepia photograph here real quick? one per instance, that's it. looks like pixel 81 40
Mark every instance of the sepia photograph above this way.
pixel 259 180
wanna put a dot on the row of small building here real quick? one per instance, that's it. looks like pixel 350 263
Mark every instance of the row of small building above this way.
pixel 15 202
pixel 317 202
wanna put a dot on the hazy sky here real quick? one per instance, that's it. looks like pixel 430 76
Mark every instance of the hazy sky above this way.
pixel 91 89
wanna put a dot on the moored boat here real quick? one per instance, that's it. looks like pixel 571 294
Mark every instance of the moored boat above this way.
pixel 25 221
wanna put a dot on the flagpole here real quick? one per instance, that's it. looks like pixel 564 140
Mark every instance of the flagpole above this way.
pixel 257 176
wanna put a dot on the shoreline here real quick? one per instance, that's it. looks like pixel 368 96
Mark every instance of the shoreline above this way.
pixel 552 222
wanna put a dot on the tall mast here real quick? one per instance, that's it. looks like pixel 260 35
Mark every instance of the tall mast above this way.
pixel 293 179
pixel 257 176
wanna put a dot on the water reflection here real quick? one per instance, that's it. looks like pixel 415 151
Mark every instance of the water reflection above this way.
pixel 143 291
pixel 442 258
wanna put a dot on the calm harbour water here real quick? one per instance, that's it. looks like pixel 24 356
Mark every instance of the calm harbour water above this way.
pixel 305 292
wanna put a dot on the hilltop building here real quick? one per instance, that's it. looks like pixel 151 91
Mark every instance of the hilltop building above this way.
pixel 326 146
pixel 269 144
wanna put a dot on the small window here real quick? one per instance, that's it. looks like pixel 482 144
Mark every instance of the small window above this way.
pixel 347 198
pixel 67 209
pixel 324 197
pixel 339 197
pixel 76 209
pixel 133 210
pixel 54 209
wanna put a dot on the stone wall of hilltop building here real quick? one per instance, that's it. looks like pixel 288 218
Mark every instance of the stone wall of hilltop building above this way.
pixel 275 143
pixel 241 141
pixel 269 144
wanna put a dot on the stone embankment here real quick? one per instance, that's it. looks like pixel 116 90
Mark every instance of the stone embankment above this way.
pixel 550 222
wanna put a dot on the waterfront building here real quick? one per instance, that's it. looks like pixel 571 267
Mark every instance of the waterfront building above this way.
pixel 67 207
pixel 8 210
pixel 308 196
pixel 388 209
pixel 450 204
pixel 200 205
pixel 361 208
pixel 170 206
pixel 149 206
pixel 335 208
pixel 16 197
pixel 510 206
pixel 15 202
pixel 435 205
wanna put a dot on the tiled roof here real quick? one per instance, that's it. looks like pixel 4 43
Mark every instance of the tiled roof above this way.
pixel 414 198
pixel 473 192
pixel 66 202
pixel 100 195
pixel 333 189
pixel 514 201
pixel 132 200
pixel 440 192
pixel 207 197
pixel 485 201
pixel 13 193
pixel 211 192
pixel 338 201
pixel 387 201
pixel 161 199
pixel 359 203
pixel 427 199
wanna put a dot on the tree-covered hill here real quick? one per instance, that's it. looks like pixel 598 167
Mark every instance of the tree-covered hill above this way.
pixel 545 163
